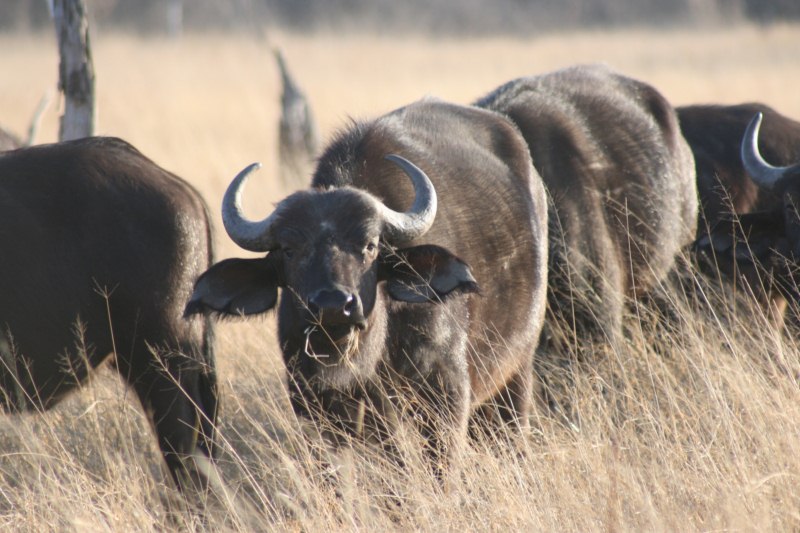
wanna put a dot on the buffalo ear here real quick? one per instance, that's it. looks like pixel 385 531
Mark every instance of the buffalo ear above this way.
pixel 751 236
pixel 236 287
pixel 424 274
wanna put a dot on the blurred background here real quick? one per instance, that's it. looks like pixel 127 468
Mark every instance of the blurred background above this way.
pixel 448 17
pixel 195 85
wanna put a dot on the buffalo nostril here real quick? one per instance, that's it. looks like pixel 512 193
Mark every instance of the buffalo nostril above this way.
pixel 327 300
pixel 349 305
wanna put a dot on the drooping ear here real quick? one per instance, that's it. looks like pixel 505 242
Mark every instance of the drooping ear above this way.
pixel 752 236
pixel 426 273
pixel 237 287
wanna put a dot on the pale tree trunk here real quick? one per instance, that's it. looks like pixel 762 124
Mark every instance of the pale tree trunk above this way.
pixel 76 72
pixel 174 18
pixel 298 136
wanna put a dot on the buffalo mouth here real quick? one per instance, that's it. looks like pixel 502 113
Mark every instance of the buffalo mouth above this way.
pixel 326 340
pixel 336 332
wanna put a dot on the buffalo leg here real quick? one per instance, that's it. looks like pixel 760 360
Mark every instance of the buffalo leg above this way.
pixel 180 397
pixel 512 405
pixel 509 408
pixel 439 405
pixel 12 397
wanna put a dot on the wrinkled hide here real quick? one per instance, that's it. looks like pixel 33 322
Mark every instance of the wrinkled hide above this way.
pixel 622 203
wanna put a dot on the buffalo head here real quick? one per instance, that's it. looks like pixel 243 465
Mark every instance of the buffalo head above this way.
pixel 762 248
pixel 328 249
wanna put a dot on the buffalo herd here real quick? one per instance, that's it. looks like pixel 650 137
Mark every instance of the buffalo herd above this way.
pixel 441 260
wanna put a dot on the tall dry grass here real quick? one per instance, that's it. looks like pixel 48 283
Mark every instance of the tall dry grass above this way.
pixel 692 427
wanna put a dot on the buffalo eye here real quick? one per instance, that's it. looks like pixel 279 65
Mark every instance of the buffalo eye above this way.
pixel 287 252
pixel 370 250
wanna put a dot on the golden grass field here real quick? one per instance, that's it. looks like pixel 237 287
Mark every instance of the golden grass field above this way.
pixel 700 430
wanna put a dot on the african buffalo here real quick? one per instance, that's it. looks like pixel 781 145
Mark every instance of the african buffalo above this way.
pixel 621 186
pixel 761 248
pixel 380 263
pixel 726 188
pixel 714 133
pixel 100 250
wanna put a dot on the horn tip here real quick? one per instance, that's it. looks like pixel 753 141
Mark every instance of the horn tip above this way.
pixel 754 125
pixel 242 176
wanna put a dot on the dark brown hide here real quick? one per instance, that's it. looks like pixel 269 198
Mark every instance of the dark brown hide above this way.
pixel 714 133
pixel 620 181
pixel 421 331
pixel 100 251
pixel 726 189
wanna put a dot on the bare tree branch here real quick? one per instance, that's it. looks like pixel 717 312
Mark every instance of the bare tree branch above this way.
pixel 298 135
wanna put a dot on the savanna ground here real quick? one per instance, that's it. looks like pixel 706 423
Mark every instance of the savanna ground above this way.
pixel 693 428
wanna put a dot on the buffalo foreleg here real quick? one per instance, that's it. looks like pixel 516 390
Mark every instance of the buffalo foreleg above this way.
pixel 438 405
pixel 510 408
pixel 179 395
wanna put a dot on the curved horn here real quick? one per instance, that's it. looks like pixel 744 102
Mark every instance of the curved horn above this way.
pixel 249 235
pixel 400 227
pixel 764 174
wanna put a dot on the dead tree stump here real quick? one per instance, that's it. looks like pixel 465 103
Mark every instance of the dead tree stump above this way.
pixel 8 140
pixel 76 72
pixel 298 136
